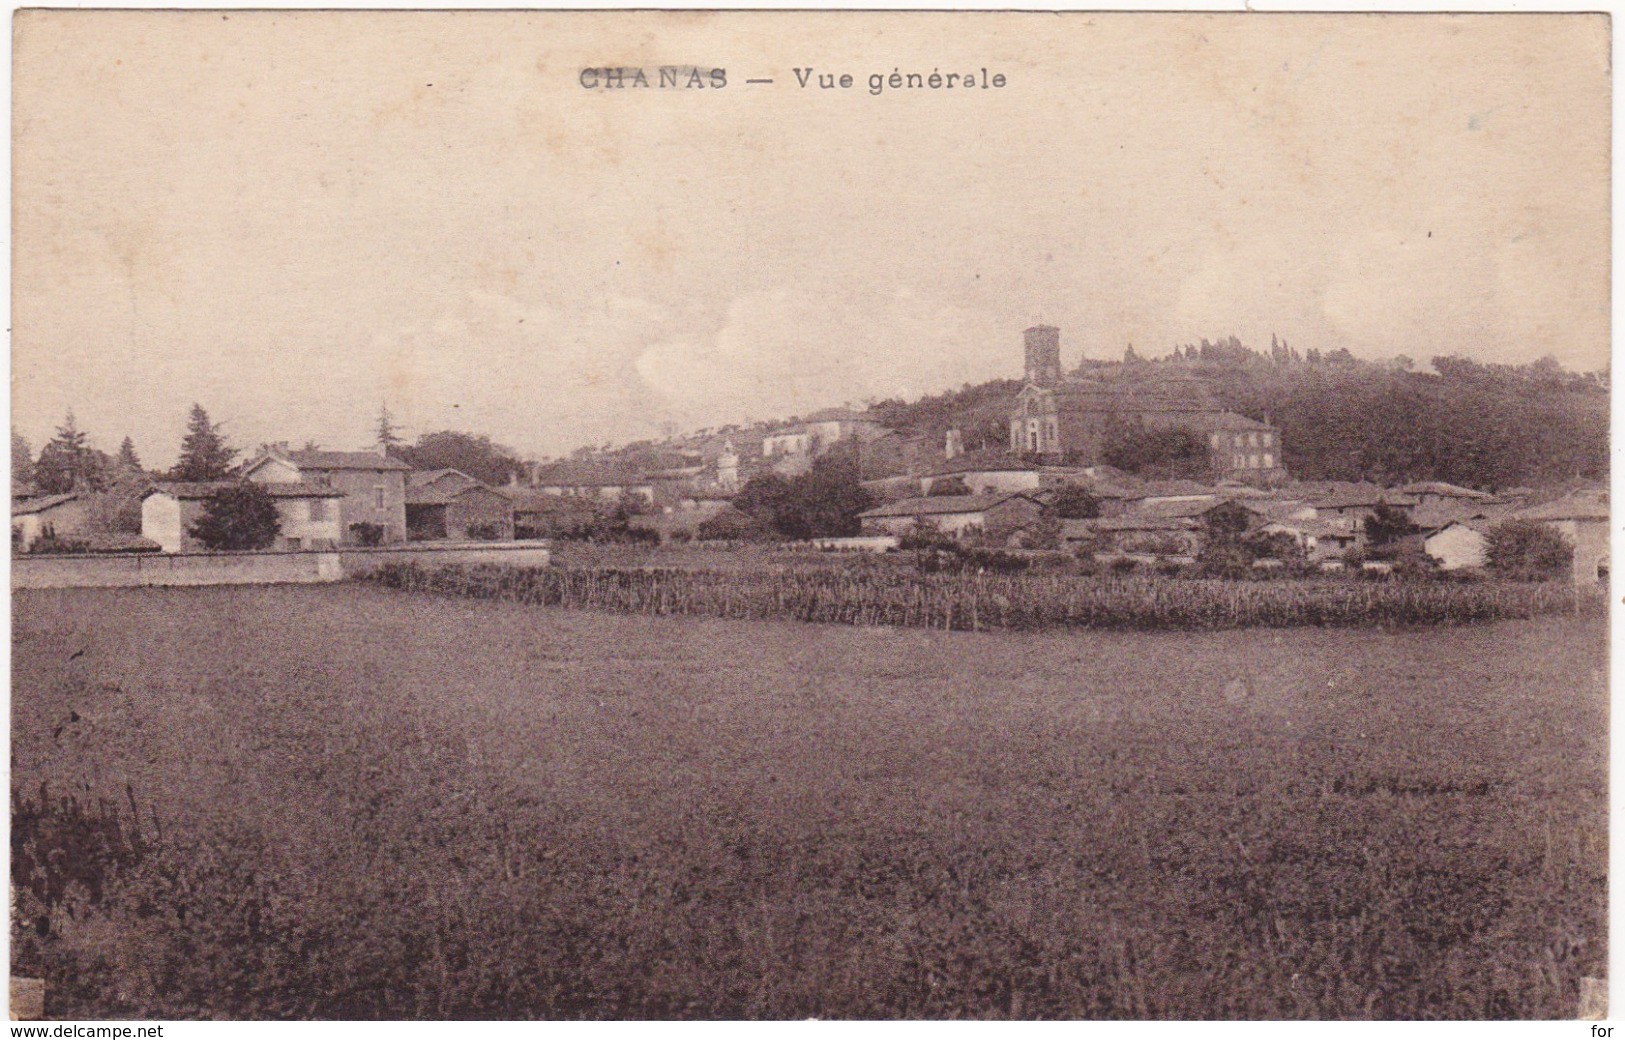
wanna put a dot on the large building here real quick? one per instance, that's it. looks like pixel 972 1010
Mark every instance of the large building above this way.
pixel 1071 419
pixel 373 486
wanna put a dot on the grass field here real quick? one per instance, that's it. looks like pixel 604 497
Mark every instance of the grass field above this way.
pixel 355 802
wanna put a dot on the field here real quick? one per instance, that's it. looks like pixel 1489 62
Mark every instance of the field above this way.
pixel 357 802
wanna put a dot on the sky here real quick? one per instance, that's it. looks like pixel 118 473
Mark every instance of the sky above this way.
pixel 294 218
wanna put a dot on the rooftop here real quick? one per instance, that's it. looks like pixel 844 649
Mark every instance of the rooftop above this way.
pixel 204 489
pixel 939 505
pixel 344 460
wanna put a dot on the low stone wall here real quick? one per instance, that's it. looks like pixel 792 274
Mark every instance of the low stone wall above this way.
pixel 131 569
pixel 357 560
pixel 108 570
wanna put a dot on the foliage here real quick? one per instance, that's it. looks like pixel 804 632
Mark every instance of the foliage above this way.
pixel 1527 549
pixel 387 434
pixel 488 532
pixel 944 487
pixel 1074 502
pixel 364 532
pixel 69 463
pixel 949 595
pixel 732 525
pixel 127 459
pixel 475 455
pixel 824 502
pixel 1387 524
pixel 205 455
pixel 1166 454
pixel 238 516
pixel 22 459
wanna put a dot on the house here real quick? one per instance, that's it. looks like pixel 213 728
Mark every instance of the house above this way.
pixel 593 481
pixel 1433 492
pixel 1349 504
pixel 1073 418
pixel 984 473
pixel 1582 518
pixel 48 516
pixel 1162 536
pixel 309 515
pixel 1459 544
pixel 821 431
pixel 542 514
pixel 1321 539
pixel 995 517
pixel 372 486
pixel 448 503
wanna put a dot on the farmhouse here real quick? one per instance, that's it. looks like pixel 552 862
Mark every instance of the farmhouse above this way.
pixel 447 503
pixel 1582 518
pixel 1458 545
pixel 995 517
pixel 593 481
pixel 309 514
pixel 50 516
pixel 372 487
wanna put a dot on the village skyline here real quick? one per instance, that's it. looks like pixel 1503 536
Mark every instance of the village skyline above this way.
pixel 456 228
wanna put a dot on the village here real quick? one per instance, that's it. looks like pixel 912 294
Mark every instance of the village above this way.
pixel 1046 488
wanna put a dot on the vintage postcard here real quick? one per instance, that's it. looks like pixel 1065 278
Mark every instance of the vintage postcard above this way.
pixel 779 515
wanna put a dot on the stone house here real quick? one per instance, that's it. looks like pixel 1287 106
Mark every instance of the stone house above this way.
pixel 372 486
pixel 1581 518
pixel 448 503
pixel 994 518
pixel 308 514
pixel 59 516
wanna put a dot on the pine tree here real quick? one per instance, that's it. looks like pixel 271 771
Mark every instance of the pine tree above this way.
pixel 389 436
pixel 128 460
pixel 67 462
pixel 204 453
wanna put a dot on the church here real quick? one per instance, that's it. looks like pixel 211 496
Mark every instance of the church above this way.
pixel 1068 419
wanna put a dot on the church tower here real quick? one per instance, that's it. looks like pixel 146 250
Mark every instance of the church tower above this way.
pixel 1043 355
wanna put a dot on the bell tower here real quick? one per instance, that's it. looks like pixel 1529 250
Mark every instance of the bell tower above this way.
pixel 1043 355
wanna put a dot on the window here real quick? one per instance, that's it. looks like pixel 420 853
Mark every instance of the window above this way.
pixel 378 497
pixel 1218 440
pixel 1252 440
pixel 318 510
pixel 1269 461
pixel 1237 441
pixel 1266 440
pixel 294 544
pixel 1252 462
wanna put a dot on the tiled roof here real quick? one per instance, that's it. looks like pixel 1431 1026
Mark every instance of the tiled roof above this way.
pixel 198 490
pixel 1570 507
pixel 1439 487
pixel 344 460
pixel 40 505
pixel 938 505
pixel 1134 523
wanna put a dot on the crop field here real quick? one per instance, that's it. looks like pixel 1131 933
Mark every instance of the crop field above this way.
pixel 357 802
pixel 875 592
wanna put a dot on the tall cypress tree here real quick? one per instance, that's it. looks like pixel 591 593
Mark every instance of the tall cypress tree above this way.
pixel 67 462
pixel 204 453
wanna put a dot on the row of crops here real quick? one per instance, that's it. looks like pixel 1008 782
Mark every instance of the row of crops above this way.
pixel 990 602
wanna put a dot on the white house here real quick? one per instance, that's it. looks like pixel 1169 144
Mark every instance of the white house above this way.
pixel 1458 544
pixel 309 514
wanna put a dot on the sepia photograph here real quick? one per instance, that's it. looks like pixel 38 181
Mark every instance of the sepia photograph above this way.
pixel 874 516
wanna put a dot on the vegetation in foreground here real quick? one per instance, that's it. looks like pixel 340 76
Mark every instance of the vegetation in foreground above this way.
pixel 890 596
pixel 384 806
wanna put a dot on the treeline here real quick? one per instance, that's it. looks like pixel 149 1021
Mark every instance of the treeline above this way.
pixel 1479 425
pixel 1483 426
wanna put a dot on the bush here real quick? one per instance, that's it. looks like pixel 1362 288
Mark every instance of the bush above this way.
pixel 238 517
pixel 1527 550
pixel 366 533
pixel 491 532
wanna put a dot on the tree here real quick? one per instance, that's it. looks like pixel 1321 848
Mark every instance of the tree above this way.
pixel 128 460
pixel 1527 549
pixel 948 486
pixel 1171 453
pixel 1074 502
pixel 1387 524
pixel 68 462
pixel 22 458
pixel 477 456
pixel 238 516
pixel 204 453
pixel 389 437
